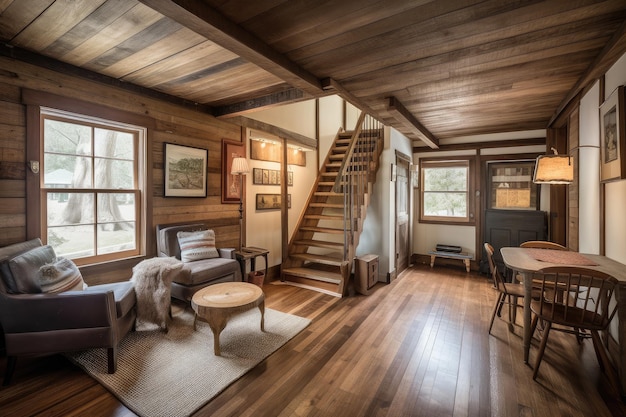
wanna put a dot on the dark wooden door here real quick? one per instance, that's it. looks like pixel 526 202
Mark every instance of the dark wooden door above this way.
pixel 511 228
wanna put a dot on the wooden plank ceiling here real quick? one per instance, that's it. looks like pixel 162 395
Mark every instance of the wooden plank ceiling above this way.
pixel 434 69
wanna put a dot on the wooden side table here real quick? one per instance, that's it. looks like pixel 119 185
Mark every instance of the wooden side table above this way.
pixel 219 302
pixel 250 253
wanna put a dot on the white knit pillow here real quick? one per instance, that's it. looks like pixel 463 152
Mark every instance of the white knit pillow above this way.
pixel 59 276
pixel 195 246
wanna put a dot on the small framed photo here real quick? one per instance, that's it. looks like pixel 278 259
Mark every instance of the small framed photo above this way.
pixel 273 180
pixel 257 176
pixel 290 178
pixel 185 170
pixel 612 140
pixel 266 176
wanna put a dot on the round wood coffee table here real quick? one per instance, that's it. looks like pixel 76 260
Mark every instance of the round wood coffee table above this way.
pixel 217 303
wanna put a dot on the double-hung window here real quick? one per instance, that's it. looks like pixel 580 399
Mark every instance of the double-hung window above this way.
pixel 445 191
pixel 91 187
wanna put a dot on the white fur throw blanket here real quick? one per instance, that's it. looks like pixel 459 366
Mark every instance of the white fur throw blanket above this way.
pixel 153 280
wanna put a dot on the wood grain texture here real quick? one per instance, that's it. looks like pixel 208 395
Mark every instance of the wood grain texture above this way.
pixel 461 67
pixel 168 123
pixel 418 346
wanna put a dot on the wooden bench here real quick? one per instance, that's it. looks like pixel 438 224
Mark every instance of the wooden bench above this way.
pixel 463 256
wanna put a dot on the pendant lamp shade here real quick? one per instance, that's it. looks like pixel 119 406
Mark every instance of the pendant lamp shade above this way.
pixel 554 169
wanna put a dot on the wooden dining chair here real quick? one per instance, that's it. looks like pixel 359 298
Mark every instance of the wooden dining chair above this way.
pixel 590 309
pixel 542 244
pixel 508 293
pixel 539 244
pixel 545 244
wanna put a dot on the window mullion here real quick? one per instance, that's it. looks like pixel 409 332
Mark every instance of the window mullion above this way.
pixel 114 190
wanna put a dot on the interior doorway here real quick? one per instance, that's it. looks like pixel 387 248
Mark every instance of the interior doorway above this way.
pixel 403 212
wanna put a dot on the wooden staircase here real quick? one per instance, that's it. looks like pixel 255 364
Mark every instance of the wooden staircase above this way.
pixel 322 248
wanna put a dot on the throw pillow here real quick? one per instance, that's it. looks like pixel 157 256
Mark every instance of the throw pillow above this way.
pixel 59 276
pixel 195 246
pixel 25 268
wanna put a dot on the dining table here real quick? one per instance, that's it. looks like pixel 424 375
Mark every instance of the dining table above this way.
pixel 528 261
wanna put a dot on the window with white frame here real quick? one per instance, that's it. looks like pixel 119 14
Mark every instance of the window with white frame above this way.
pixel 445 191
pixel 91 187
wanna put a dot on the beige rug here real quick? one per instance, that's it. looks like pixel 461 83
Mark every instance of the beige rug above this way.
pixel 176 373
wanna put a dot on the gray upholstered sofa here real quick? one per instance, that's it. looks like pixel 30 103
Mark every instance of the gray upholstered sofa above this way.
pixel 45 307
pixel 200 273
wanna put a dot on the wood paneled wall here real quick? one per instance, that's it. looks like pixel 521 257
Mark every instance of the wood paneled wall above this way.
pixel 174 124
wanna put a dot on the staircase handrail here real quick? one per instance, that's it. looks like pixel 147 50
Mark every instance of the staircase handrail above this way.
pixel 353 182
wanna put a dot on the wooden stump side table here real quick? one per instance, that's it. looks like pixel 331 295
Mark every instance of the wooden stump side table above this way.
pixel 217 303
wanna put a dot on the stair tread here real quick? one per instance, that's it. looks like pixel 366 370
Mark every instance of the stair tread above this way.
pixel 318 243
pixel 326 276
pixel 323 216
pixel 327 194
pixel 328 259
pixel 327 205
pixel 328 230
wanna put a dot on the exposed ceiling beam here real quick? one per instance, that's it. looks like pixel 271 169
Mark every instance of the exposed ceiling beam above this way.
pixel 208 22
pixel 612 51
pixel 483 145
pixel 333 87
pixel 403 115
pixel 284 97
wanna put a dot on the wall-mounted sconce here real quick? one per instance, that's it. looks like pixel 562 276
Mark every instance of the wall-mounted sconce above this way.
pixel 554 169
pixel 34 166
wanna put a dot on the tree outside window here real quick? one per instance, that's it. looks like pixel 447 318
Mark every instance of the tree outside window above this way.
pixel 445 191
pixel 91 190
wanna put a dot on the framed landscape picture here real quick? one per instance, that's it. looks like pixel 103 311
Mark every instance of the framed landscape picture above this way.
pixel 231 184
pixel 612 137
pixel 185 170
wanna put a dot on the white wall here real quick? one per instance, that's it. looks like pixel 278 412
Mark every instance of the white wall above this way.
pixel 589 173
pixel 352 116
pixel 331 119
pixel 297 117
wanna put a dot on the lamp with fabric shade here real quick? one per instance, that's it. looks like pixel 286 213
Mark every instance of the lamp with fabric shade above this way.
pixel 240 168
pixel 554 169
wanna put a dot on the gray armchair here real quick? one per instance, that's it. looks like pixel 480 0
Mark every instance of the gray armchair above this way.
pixel 39 323
pixel 195 274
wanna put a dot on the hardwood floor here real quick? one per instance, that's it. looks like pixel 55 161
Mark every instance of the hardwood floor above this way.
pixel 416 347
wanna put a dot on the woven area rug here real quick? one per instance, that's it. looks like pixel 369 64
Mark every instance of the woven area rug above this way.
pixel 175 373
